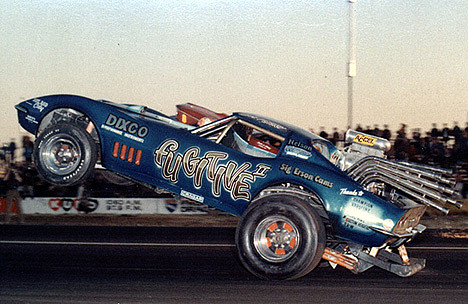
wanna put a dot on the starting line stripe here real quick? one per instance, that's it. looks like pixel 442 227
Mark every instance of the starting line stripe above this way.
pixel 437 248
pixel 113 244
pixel 172 245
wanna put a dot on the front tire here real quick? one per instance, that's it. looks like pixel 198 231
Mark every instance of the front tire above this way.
pixel 65 154
pixel 280 237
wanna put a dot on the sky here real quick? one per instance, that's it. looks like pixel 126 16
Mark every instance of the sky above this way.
pixel 282 59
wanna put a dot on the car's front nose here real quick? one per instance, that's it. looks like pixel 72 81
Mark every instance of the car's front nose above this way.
pixel 406 228
pixel 27 119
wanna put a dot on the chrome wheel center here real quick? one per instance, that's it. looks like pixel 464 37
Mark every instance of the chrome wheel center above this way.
pixel 61 154
pixel 65 155
pixel 276 239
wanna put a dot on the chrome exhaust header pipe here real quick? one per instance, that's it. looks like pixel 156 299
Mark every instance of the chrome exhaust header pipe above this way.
pixel 421 182
pixel 431 174
pixel 409 188
pixel 397 185
pixel 426 167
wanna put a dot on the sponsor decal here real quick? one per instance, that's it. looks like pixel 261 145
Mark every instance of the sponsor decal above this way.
pixel 39 104
pixel 232 177
pixel 361 204
pixel 126 128
pixel 365 139
pixel 303 174
pixel 323 182
pixel 299 144
pixel 287 169
pixel 388 224
pixel 297 152
pixel 111 129
pixel 192 196
pixel 31 119
pixel 354 223
pixel 345 191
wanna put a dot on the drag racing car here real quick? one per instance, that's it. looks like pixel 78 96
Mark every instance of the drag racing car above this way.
pixel 300 200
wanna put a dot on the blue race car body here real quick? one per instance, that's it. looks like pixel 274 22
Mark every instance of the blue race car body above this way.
pixel 227 164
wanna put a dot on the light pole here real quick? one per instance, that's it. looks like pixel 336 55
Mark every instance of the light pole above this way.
pixel 352 60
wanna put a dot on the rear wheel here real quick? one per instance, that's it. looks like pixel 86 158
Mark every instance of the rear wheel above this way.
pixel 65 154
pixel 280 237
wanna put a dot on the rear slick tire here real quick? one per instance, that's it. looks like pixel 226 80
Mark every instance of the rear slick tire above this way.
pixel 65 154
pixel 280 237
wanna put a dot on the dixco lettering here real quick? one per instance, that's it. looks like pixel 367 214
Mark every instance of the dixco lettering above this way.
pixel 235 178
pixel 126 126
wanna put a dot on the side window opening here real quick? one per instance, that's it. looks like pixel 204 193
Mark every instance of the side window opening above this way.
pixel 251 140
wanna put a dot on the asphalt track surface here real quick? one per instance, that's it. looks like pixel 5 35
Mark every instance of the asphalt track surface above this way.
pixel 76 264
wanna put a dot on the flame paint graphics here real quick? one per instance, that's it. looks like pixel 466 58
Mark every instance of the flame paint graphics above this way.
pixel 235 178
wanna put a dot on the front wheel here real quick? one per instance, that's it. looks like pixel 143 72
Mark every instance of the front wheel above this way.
pixel 280 237
pixel 65 154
